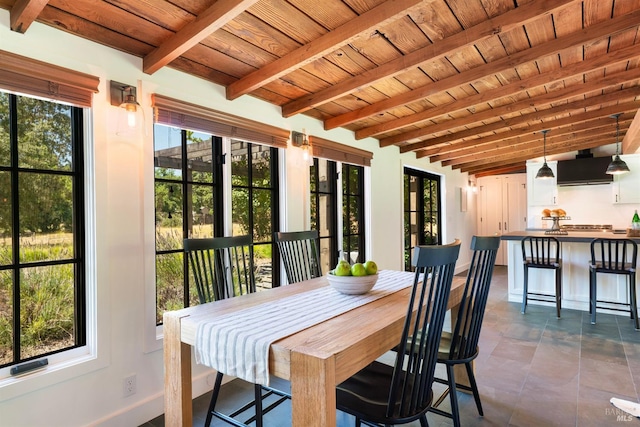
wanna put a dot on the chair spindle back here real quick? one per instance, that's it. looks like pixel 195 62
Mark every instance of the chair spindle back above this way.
pixel 413 373
pixel 221 267
pixel 466 333
pixel 300 253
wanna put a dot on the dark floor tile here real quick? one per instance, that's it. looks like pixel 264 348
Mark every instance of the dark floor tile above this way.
pixel 558 349
pixel 497 406
pixel 515 349
pixel 627 331
pixel 502 374
pixel 529 412
pixel 606 376
pixel 603 349
pixel 595 408
pixel 525 330
pixel 555 373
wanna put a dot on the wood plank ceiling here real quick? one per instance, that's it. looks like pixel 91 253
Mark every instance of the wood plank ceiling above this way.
pixel 469 83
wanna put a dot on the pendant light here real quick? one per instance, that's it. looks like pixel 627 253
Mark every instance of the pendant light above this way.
pixel 545 171
pixel 617 166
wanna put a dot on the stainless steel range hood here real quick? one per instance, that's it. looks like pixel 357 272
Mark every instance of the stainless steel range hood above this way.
pixel 584 170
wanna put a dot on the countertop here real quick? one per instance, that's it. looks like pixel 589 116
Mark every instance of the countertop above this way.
pixel 572 236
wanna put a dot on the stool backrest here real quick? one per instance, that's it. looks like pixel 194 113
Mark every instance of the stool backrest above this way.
pixel 544 251
pixel 614 255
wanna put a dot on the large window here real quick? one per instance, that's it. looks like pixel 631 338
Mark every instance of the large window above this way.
pixel 254 205
pixel 353 212
pixel 327 210
pixel 188 176
pixel 422 224
pixel 42 265
pixel 190 200
pixel 324 213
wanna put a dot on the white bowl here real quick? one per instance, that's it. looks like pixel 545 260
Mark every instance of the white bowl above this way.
pixel 352 285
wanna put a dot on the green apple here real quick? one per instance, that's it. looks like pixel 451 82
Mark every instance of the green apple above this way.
pixel 371 267
pixel 358 269
pixel 342 269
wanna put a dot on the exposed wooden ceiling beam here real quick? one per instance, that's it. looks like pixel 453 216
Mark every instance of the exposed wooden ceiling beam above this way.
pixel 517 121
pixel 599 125
pixel 529 154
pixel 220 13
pixel 478 144
pixel 511 89
pixel 345 34
pixel 471 133
pixel 439 49
pixel 631 142
pixel 532 147
pixel 517 168
pixel 594 32
pixel 24 12
pixel 487 170
pixel 556 97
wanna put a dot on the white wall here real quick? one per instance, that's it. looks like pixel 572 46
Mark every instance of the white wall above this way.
pixel 90 392
pixel 585 204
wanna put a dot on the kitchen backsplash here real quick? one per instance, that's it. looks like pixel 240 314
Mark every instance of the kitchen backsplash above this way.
pixel 586 204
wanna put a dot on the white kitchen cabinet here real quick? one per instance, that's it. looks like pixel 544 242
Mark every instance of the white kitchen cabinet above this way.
pixel 542 192
pixel 626 187
pixel 502 207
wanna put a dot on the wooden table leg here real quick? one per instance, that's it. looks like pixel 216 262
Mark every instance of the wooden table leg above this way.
pixel 313 390
pixel 177 375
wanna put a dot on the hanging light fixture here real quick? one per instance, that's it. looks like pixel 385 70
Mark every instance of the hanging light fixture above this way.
pixel 545 171
pixel 617 166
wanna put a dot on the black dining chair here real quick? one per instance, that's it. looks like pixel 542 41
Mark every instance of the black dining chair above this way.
pixel 300 254
pixel 402 393
pixel 221 268
pixel 614 256
pixel 460 347
pixel 542 253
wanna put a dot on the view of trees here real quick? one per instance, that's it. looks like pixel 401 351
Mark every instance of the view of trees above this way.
pixel 44 144
pixel 40 151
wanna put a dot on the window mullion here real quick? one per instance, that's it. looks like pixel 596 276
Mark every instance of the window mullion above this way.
pixel 15 221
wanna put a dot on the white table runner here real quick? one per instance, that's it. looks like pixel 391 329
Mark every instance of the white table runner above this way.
pixel 238 344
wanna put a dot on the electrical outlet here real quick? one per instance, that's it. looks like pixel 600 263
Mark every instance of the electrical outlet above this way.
pixel 129 385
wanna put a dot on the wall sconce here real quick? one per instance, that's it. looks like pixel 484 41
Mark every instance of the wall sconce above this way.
pixel 472 187
pixel 299 139
pixel 131 114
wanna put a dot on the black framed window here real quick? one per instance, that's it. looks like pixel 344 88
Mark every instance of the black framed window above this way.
pixel 353 213
pixel 324 211
pixel 254 187
pixel 42 229
pixel 190 194
pixel 422 211
pixel 188 204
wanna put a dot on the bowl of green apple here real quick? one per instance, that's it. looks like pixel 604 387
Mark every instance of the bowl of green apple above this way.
pixel 354 279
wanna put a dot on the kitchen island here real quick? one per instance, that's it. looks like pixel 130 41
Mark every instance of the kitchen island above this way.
pixel 575 254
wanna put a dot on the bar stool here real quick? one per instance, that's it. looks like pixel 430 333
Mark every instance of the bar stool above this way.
pixel 544 253
pixel 615 256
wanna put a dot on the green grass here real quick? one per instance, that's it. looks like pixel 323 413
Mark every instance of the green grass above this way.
pixel 46 299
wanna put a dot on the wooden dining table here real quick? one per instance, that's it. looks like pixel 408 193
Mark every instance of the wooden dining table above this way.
pixel 314 360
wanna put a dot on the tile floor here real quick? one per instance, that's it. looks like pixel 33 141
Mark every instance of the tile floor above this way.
pixel 533 370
